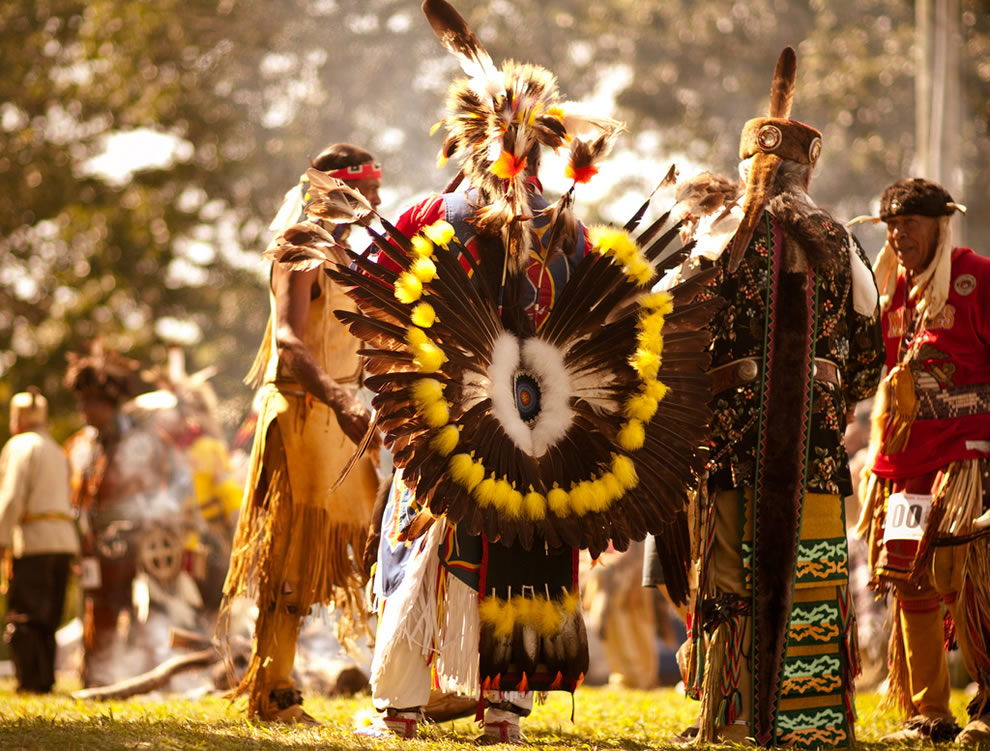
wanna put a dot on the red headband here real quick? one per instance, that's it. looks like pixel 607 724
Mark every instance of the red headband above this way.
pixel 365 171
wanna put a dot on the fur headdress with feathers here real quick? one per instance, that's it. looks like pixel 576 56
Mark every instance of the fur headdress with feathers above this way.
pixel 769 140
pixel 497 121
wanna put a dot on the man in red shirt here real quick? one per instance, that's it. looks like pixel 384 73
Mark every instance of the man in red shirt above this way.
pixel 925 509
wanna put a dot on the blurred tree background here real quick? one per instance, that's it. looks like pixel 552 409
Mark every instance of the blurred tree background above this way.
pixel 144 147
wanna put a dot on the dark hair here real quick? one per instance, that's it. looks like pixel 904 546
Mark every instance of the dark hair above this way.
pixel 340 155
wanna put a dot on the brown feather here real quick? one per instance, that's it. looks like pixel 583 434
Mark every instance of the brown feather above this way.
pixel 782 88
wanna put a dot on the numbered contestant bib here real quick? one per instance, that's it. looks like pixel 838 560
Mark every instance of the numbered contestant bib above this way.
pixel 907 516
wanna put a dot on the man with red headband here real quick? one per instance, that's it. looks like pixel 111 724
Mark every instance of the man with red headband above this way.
pixel 926 501
pixel 296 530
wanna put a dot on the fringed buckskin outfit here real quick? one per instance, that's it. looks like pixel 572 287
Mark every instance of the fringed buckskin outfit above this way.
pixel 929 480
pixel 774 632
pixel 297 535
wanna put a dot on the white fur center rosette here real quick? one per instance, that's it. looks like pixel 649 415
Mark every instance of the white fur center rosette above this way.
pixel 522 371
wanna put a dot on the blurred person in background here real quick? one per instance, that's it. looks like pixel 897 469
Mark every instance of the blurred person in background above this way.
pixel 130 486
pixel 925 509
pixel 38 529
pixel 298 534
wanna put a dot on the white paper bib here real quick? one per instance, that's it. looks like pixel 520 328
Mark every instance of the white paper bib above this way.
pixel 907 516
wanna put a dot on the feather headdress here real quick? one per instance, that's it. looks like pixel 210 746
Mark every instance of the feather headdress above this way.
pixel 497 121
pixel 584 434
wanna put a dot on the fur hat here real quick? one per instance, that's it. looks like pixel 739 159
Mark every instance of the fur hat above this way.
pixel 769 140
pixel 917 197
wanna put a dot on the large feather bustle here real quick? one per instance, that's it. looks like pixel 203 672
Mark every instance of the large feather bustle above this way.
pixel 464 329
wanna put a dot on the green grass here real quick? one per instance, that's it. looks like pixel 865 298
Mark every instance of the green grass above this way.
pixel 605 718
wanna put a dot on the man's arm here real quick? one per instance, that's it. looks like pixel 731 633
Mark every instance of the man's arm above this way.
pixel 293 291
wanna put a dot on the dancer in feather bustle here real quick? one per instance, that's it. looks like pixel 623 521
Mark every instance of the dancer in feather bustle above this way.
pixel 531 405
pixel 795 347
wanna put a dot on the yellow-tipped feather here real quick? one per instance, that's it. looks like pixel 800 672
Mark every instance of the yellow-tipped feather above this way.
pixel 446 440
pixel 424 269
pixel 534 505
pixel 581 497
pixel 422 247
pixel 646 363
pixel 424 315
pixel 440 232
pixel 408 288
pixel 632 435
pixel 641 407
pixel 437 414
pixel 624 470
pixel 655 389
pixel 485 492
pixel 462 470
pixel 558 501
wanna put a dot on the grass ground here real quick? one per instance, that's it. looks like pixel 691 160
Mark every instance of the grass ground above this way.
pixel 604 718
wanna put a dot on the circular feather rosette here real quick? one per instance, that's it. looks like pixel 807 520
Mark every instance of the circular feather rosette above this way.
pixel 589 431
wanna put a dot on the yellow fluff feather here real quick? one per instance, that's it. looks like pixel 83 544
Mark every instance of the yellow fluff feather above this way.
pixel 641 407
pixel 558 501
pixel 462 470
pixel 416 337
pixel 632 435
pixel 485 492
pixel 424 269
pixel 661 302
pixel 514 504
pixel 408 288
pixel 426 391
pixel 428 357
pixel 424 315
pixel 646 363
pixel 501 495
pixel 581 499
pixel 624 470
pixel 437 414
pixel 440 232
pixel 422 247
pixel 534 505
pixel 446 440
pixel 655 389
pixel 613 488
